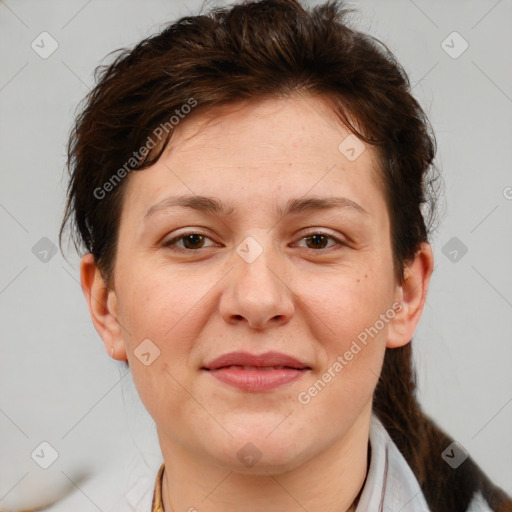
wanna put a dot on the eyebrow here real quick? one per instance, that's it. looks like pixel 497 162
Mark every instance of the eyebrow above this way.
pixel 292 207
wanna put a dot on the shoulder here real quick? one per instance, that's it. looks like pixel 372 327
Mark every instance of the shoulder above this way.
pixel 142 497
pixel 401 490
pixel 478 504
pixel 138 496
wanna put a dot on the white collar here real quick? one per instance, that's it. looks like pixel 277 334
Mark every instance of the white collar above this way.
pixel 390 484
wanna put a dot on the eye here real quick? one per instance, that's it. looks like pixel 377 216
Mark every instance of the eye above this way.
pixel 318 239
pixel 192 242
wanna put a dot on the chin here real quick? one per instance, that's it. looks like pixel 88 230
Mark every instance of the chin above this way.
pixel 262 454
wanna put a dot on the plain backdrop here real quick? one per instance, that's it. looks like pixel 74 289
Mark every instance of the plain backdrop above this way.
pixel 57 384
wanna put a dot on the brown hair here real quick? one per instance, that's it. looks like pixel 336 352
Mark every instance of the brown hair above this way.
pixel 261 49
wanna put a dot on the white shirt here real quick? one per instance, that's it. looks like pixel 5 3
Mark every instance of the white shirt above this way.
pixel 390 484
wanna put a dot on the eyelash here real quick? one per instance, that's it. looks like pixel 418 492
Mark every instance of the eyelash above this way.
pixel 170 243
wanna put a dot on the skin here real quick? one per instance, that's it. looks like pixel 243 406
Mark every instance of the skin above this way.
pixel 308 300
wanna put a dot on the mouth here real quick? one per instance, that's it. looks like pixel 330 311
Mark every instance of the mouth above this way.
pixel 254 368
pixel 256 373
pixel 247 361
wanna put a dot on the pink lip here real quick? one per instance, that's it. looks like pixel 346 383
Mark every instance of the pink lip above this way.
pixel 256 380
pixel 260 360
pixel 230 370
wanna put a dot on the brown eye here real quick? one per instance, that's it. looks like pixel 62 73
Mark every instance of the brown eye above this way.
pixel 318 241
pixel 191 242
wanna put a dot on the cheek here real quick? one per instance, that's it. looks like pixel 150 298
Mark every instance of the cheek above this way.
pixel 160 315
pixel 348 304
pixel 159 304
pixel 352 317
pixel 352 321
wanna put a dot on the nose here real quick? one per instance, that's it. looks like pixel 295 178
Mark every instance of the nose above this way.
pixel 258 291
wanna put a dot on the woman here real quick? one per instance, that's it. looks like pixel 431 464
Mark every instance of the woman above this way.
pixel 264 275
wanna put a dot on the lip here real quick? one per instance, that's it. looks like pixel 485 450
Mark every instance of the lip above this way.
pixel 249 372
pixel 257 360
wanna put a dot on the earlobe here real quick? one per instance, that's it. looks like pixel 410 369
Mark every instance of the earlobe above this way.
pixel 411 294
pixel 102 304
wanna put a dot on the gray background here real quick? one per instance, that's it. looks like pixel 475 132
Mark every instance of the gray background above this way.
pixel 56 382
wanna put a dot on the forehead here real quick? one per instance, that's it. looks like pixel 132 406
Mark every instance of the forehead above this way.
pixel 274 128
pixel 265 147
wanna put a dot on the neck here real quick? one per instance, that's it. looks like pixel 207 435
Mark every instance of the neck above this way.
pixel 330 481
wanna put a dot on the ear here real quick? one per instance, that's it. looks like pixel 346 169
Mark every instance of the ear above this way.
pixel 412 294
pixel 102 304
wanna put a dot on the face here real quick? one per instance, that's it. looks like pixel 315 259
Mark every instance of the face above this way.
pixel 193 284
